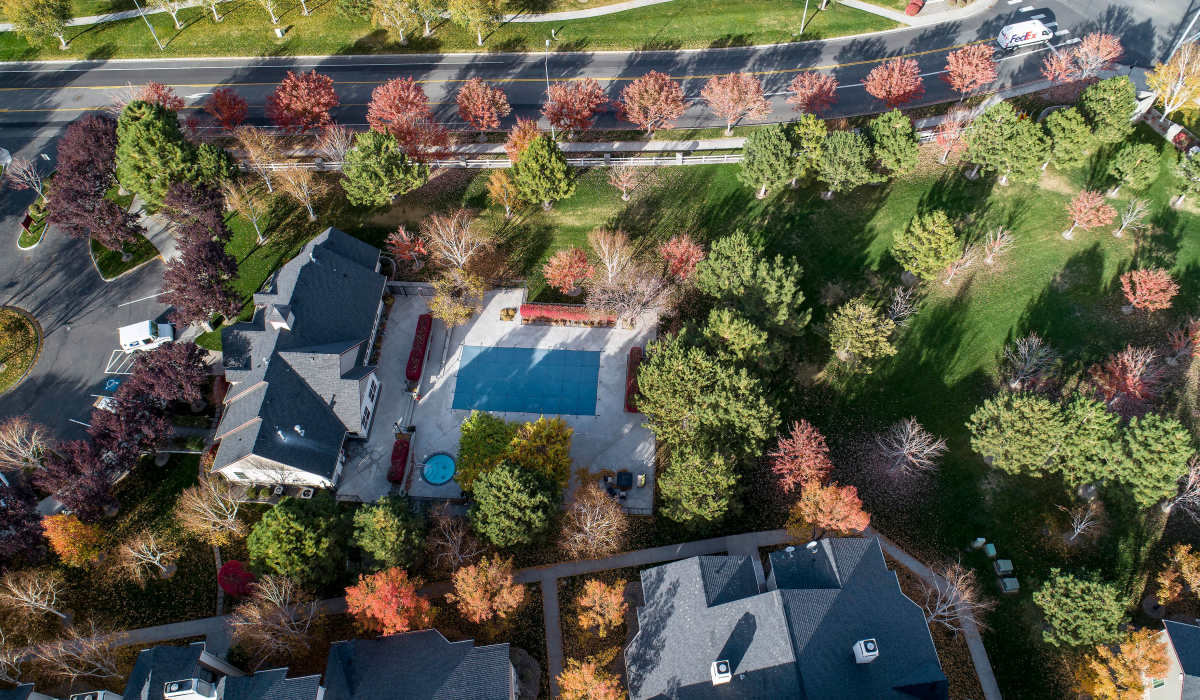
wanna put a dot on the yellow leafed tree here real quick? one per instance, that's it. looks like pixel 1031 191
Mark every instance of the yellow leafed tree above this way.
pixel 1177 81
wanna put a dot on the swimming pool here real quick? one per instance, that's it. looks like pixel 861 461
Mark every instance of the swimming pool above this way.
pixel 527 380
pixel 438 469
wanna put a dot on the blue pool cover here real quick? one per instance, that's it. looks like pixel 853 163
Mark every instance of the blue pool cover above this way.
pixel 527 380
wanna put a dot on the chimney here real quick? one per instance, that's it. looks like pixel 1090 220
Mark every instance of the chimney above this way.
pixel 189 689
pixel 865 651
pixel 721 672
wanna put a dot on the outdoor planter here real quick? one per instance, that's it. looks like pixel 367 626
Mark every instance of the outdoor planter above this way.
pixel 508 313
pixel 631 382
pixel 416 358
pixel 399 460
pixel 565 315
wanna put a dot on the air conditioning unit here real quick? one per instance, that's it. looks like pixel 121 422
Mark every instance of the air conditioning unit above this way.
pixel 866 651
pixel 188 689
pixel 92 695
pixel 721 672
pixel 278 490
pixel 306 492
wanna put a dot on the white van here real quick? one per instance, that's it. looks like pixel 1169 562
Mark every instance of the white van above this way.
pixel 1027 33
pixel 145 335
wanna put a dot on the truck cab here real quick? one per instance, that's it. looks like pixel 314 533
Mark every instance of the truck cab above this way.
pixel 144 335
pixel 1027 33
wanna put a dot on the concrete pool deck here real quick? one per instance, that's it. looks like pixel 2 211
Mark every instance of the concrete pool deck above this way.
pixel 610 440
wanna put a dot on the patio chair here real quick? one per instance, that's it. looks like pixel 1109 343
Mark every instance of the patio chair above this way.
pixel 624 480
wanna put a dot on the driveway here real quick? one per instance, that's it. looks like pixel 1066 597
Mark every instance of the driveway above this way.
pixel 78 311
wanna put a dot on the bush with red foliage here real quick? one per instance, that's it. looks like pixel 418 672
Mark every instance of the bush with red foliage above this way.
pixel 801 457
pixel 416 357
pixel 547 313
pixel 1149 289
pixel 227 107
pixel 235 579
pixel 631 381
pixel 895 82
pixel 399 460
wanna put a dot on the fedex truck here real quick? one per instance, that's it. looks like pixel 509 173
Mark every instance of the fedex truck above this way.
pixel 1027 33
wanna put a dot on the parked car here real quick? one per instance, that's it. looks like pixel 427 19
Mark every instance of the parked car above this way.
pixel 144 335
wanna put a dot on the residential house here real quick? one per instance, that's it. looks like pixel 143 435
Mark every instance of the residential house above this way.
pixel 424 664
pixel 300 372
pixel 830 621
pixel 1182 680
pixel 24 691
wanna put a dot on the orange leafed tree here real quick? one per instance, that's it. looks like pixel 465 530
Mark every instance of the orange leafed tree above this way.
pixel 302 102
pixel 826 509
pixel 481 105
pixel 566 269
pixel 812 92
pixel 406 247
pixel 572 106
pixel 970 68
pixel 1149 289
pixel 895 82
pixel 1058 67
pixel 1096 52
pixel 227 107
pixel 681 255
pixel 401 108
pixel 486 590
pixel 734 97
pixel 161 95
pixel 1121 673
pixel 653 101
pixel 387 602
pixel 75 542
pixel 801 457
pixel 585 680
pixel 1088 210
pixel 525 131
pixel 1128 380
pixel 601 606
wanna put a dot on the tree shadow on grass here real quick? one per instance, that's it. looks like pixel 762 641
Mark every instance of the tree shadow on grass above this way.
pixel 1068 314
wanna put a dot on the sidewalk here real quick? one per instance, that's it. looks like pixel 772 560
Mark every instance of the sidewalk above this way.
pixel 934 12
pixel 158 231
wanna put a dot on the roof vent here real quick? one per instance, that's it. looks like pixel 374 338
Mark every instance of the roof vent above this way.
pixel 280 317
pixel 299 429
pixel 812 547
pixel 865 651
pixel 789 549
pixel 189 689
pixel 721 672
pixel 282 435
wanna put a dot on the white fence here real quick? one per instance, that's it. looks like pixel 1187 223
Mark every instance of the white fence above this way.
pixel 582 162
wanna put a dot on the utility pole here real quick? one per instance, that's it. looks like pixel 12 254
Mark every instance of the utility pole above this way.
pixel 148 25
pixel 546 65
pixel 804 19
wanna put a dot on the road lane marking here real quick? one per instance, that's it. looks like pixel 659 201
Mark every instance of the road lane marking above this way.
pixel 1037 17
pixel 1062 32
pixel 143 69
pixel 1027 8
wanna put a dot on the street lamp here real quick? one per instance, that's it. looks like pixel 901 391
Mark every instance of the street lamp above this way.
pixel 804 19
pixel 148 25
pixel 546 64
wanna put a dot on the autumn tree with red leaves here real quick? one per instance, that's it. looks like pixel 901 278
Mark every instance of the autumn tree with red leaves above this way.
pixel 81 478
pixel 1058 67
pixel 602 606
pixel 227 107
pixel 572 106
pixel 1149 289
pixel 481 105
pixel 302 102
pixel 522 134
pixel 387 602
pixel 587 680
pixel 653 101
pixel 895 82
pixel 950 131
pixel 970 68
pixel 162 95
pixel 566 269
pixel 401 108
pixel 734 97
pixel 406 247
pixel 1088 210
pixel 487 590
pixel 1128 380
pixel 681 255
pixel 825 509
pixel 801 457
pixel 812 92
pixel 1096 52
pixel 171 372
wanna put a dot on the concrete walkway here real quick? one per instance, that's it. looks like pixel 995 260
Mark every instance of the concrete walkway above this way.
pixel 934 12
pixel 158 231
pixel 215 630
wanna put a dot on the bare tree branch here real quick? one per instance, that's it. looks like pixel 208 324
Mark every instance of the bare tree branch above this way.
pixel 82 653
pixel 902 306
pixel 452 238
pixel 22 444
pixel 278 618
pixel 954 599
pixel 997 242
pixel 34 591
pixel 594 525
pixel 334 142
pixel 1027 361
pixel 12 657
pixel 450 540
pixel 210 510
pixel 910 449
pixel 146 554
pixel 1133 217
pixel 613 250
pixel 26 174
pixel 1188 497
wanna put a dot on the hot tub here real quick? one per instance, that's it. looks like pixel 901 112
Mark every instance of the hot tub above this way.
pixel 438 469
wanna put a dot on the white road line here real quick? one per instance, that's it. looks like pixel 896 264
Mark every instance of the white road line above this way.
pixel 1037 16
pixel 1027 8
pixel 1062 32
pixel 289 66
pixel 1013 2
pixel 152 296
pixel 79 422
pixel 1051 24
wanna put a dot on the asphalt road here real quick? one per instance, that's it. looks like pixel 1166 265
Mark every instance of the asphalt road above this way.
pixel 80 313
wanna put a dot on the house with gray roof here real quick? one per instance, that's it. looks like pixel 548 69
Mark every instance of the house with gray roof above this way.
pixel 300 372
pixel 426 665
pixel 1182 680
pixel 830 621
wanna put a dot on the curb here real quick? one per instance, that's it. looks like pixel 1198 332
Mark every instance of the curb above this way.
pixel 117 277
pixel 37 329
pixel 45 227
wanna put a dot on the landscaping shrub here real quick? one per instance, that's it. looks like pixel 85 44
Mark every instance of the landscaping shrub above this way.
pixel 416 357
pixel 482 443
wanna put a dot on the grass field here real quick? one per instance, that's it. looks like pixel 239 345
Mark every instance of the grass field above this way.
pixel 20 341
pixel 247 31
pixel 111 263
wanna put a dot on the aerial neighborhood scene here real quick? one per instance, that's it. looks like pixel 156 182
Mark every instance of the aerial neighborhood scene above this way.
pixel 599 349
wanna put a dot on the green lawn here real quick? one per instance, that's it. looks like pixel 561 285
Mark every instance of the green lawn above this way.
pixel 1067 291
pixel 247 31
pixel 111 263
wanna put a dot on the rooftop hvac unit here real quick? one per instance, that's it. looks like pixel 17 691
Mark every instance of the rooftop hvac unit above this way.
pixel 306 492
pixel 278 490
pixel 865 651
pixel 94 695
pixel 188 689
pixel 721 672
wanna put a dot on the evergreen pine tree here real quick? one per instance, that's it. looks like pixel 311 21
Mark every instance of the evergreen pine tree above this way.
pixel 698 488
pixel 1134 165
pixel 1154 454
pixel 767 159
pixel 376 171
pixel 845 162
pixel 1070 137
pixel 894 142
pixel 927 245
pixel 151 151
pixel 542 174
pixel 807 134
pixel 1108 106
pixel 1007 143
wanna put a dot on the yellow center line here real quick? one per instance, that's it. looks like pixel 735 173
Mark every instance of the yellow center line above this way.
pixel 430 81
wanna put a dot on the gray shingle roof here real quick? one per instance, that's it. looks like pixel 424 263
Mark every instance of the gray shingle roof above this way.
pixel 270 685
pixel 424 664
pixel 793 642
pixel 332 291
pixel 158 665
pixel 1185 640
pixel 21 692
